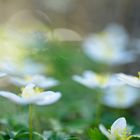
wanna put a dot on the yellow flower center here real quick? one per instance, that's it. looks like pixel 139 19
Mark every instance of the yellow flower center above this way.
pixel 102 79
pixel 124 135
pixel 28 92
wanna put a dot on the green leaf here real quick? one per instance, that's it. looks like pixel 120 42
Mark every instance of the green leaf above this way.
pixel 95 134
pixel 49 135
pixel 36 136
pixel 135 137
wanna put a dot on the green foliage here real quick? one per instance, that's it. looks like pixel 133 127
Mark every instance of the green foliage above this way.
pixel 75 113
pixel 95 134
pixel 20 135
pixel 49 135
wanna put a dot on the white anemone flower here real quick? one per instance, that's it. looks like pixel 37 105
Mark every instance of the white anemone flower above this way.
pixel 91 79
pixel 32 95
pixel 108 46
pixel 120 96
pixel 130 80
pixel 119 130
pixel 39 80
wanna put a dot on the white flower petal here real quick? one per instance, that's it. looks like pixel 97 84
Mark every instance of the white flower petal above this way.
pixel 31 67
pixel 11 96
pixel 86 82
pixel 113 81
pixel 27 67
pixel 104 131
pixel 95 48
pixel 39 100
pixel 30 96
pixel 50 82
pixel 120 96
pixel 88 79
pixel 39 80
pixel 48 97
pixel 119 32
pixel 109 46
pixel 44 82
pixel 18 81
pixel 130 80
pixel 2 74
pixel 8 66
pixel 15 98
pixel 119 127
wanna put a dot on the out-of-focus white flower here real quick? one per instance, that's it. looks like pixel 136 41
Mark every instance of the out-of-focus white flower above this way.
pixel 130 80
pixel 120 96
pixel 92 80
pixel 7 66
pixel 108 46
pixel 117 34
pixel 32 95
pixel 2 74
pixel 39 80
pixel 28 67
pixel 32 67
pixel 119 130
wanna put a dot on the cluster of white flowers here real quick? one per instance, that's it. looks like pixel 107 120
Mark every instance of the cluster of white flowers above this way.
pixel 116 92
pixel 119 90
pixel 33 84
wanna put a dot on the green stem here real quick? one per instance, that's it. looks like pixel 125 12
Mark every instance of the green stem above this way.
pixel 98 106
pixel 30 123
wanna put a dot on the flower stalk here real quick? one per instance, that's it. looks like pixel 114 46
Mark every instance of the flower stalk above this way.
pixel 98 107
pixel 30 122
